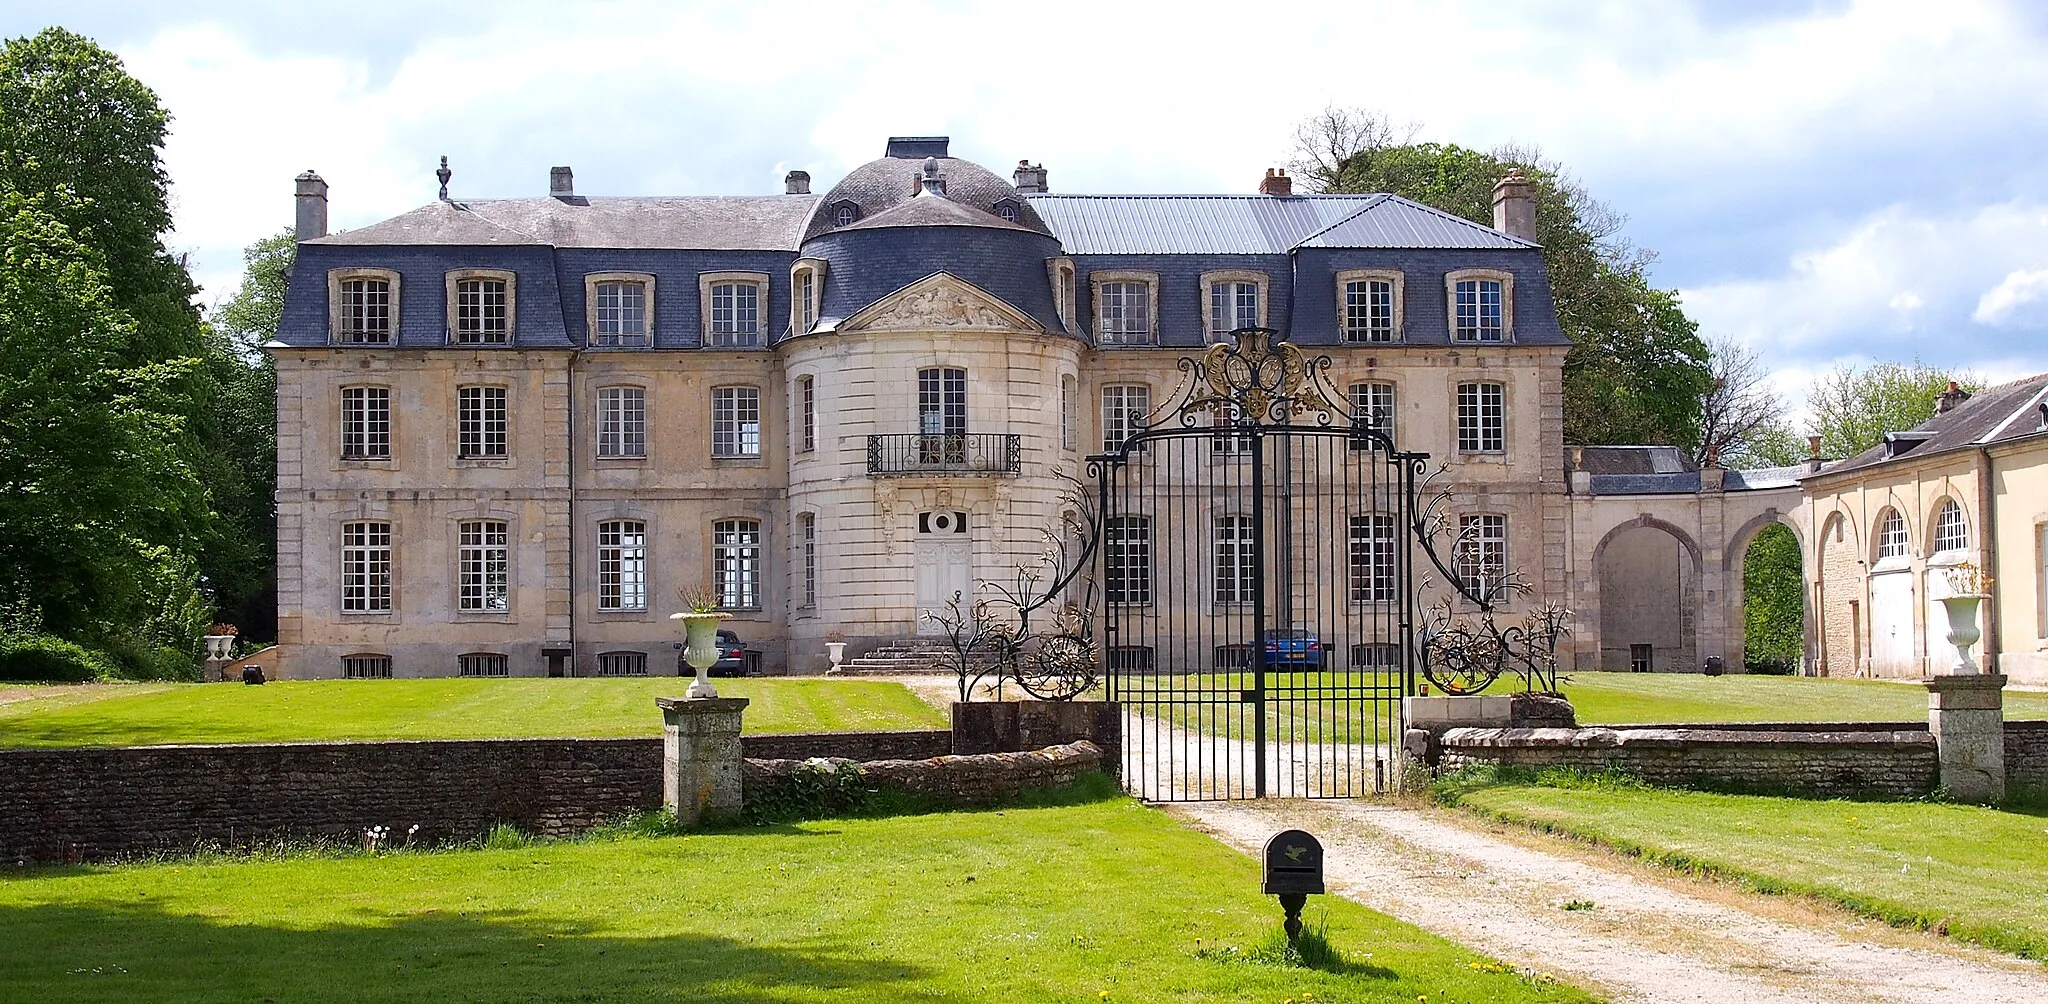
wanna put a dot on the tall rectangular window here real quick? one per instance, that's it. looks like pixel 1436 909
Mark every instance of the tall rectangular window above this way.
pixel 622 565
pixel 806 304
pixel 483 664
pixel 365 311
pixel 1372 407
pixel 1480 556
pixel 482 312
pixel 1124 407
pixel 1235 569
pixel 621 314
pixel 1070 436
pixel 622 664
pixel 807 413
pixel 807 542
pixel 484 559
pixel 735 314
pixel 1479 310
pixel 1232 305
pixel 1372 558
pixel 1126 313
pixel 365 423
pixel 1127 559
pixel 480 422
pixel 735 421
pixel 622 422
pixel 736 563
pixel 1482 418
pixel 1369 310
pixel 365 567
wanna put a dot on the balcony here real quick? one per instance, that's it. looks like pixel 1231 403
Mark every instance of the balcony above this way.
pixel 967 454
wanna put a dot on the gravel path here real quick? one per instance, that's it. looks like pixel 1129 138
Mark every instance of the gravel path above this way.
pixel 1642 941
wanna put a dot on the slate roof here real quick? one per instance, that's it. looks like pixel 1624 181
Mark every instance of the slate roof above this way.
pixel 880 185
pixel 1256 224
pixel 1666 470
pixel 935 211
pixel 2000 414
pixel 694 223
pixel 1632 460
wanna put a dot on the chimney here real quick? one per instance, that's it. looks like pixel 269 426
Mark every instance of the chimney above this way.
pixel 796 183
pixel 561 182
pixel 1029 178
pixel 312 199
pixel 1514 206
pixel 1947 400
pixel 1813 453
pixel 1276 182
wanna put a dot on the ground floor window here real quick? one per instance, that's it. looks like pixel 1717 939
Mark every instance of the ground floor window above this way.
pixel 485 664
pixel 622 565
pixel 1131 658
pixel 1372 559
pixel 1235 569
pixel 366 667
pixel 622 664
pixel 736 563
pixel 1375 656
pixel 1127 560
pixel 1639 657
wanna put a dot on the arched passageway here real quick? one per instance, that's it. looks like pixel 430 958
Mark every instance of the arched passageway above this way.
pixel 1649 600
pixel 1773 604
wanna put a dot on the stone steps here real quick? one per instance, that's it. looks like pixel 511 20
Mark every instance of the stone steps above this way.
pixel 900 658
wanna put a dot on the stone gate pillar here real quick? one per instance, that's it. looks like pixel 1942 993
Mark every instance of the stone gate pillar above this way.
pixel 700 755
pixel 1967 716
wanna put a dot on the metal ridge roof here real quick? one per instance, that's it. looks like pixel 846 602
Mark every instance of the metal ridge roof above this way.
pixel 1255 224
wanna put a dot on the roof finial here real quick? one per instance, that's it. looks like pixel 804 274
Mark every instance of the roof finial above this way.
pixel 444 174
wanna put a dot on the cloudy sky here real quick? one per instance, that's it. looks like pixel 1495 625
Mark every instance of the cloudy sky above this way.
pixel 1824 181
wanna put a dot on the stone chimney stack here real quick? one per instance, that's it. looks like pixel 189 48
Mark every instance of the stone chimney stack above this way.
pixel 1029 177
pixel 1947 400
pixel 796 183
pixel 1276 182
pixel 1514 206
pixel 1813 453
pixel 561 182
pixel 312 199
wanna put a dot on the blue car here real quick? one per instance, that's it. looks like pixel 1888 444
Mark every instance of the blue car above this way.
pixel 1293 648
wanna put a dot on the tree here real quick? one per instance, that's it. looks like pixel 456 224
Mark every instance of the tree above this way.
pixel 1772 608
pixel 1852 408
pixel 99 509
pixel 1739 405
pixel 1638 369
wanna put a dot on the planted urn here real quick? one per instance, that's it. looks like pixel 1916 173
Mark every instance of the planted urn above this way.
pixel 700 618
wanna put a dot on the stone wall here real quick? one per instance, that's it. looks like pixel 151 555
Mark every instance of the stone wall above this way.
pixel 906 745
pixel 1009 726
pixel 2026 755
pixel 976 779
pixel 1888 764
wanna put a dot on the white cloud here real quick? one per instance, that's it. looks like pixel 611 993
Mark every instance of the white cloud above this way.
pixel 2020 298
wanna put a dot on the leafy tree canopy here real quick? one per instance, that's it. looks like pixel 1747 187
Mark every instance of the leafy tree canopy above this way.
pixel 1638 369
pixel 1852 408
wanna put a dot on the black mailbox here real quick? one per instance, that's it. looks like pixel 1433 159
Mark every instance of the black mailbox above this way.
pixel 252 674
pixel 1294 864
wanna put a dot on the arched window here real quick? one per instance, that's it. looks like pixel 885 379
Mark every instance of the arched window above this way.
pixel 1950 534
pixel 1891 535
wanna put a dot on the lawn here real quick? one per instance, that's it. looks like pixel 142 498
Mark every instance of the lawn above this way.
pixel 1099 901
pixel 433 709
pixel 1976 872
pixel 1603 698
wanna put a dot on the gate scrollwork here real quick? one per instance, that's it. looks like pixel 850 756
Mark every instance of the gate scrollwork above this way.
pixel 1464 650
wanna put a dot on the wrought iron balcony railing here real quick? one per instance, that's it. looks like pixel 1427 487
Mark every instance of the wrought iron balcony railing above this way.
pixel 973 454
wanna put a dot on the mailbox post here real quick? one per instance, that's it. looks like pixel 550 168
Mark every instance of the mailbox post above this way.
pixel 1294 872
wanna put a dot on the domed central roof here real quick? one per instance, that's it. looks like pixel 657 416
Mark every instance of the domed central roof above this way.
pixel 880 185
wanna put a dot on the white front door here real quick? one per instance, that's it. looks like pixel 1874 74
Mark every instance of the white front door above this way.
pixel 944 564
pixel 1891 625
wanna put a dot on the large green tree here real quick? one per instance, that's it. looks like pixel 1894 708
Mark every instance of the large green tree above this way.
pixel 99 508
pixel 1638 368
pixel 1851 408
pixel 240 414
pixel 1772 606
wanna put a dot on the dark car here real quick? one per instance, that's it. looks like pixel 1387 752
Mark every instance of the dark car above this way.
pixel 732 659
pixel 1293 648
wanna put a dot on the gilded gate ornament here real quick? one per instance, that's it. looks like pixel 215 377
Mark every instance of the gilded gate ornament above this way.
pixel 1259 381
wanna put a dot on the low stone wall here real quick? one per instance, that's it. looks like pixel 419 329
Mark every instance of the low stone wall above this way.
pixel 92 804
pixel 1011 726
pixel 2026 755
pixel 975 779
pixel 906 745
pixel 1887 764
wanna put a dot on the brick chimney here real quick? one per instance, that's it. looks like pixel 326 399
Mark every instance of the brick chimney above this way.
pixel 1514 206
pixel 1947 400
pixel 796 183
pixel 1029 177
pixel 1276 182
pixel 1813 457
pixel 312 200
pixel 561 182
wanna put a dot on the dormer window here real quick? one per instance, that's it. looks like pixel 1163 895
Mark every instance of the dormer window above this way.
pixel 845 213
pixel 1369 305
pixel 480 307
pixel 1061 271
pixel 619 308
pixel 364 306
pixel 1482 305
pixel 1126 304
pixel 806 283
pixel 733 304
pixel 1006 209
pixel 1231 300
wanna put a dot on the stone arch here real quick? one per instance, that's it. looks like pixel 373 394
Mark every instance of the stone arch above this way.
pixel 1648 572
pixel 1840 603
pixel 1735 566
pixel 1931 520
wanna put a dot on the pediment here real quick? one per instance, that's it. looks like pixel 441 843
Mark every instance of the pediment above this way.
pixel 940 302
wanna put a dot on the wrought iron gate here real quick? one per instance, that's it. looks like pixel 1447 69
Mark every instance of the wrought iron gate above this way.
pixel 1256 564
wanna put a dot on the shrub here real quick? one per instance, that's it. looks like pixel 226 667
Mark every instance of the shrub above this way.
pixel 43 658
pixel 135 659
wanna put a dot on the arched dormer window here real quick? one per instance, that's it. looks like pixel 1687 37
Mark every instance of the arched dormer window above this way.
pixel 1007 209
pixel 845 213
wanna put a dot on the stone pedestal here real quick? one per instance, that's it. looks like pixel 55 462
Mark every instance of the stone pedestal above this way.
pixel 1967 716
pixel 700 755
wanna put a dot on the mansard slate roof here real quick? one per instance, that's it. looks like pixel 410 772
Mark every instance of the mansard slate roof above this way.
pixel 935 211
pixel 880 185
pixel 1666 470
pixel 1256 224
pixel 694 223
pixel 2001 414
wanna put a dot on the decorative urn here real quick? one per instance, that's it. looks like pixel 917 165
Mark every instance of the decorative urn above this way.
pixel 700 647
pixel 1963 632
pixel 835 651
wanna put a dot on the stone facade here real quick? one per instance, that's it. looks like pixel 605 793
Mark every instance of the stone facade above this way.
pixel 1896 764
